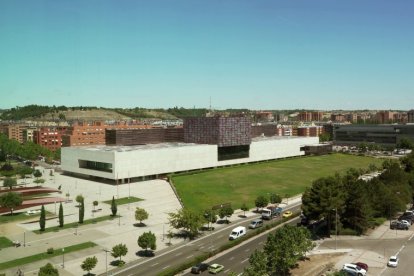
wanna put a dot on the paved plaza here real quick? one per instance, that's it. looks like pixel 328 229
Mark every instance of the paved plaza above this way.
pixel 158 199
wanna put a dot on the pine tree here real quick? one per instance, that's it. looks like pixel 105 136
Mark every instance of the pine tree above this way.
pixel 42 219
pixel 82 211
pixel 114 208
pixel 61 215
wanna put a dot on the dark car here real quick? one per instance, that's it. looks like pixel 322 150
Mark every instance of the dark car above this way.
pixel 407 217
pixel 198 268
pixel 362 265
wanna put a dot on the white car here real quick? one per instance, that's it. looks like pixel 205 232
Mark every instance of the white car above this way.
pixel 405 222
pixel 354 269
pixel 393 261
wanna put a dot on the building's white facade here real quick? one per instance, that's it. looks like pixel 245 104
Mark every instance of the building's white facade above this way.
pixel 149 160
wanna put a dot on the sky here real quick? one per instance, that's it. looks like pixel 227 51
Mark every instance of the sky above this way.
pixel 262 54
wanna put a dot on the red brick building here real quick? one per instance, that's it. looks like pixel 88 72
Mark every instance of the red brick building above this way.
pixel 49 137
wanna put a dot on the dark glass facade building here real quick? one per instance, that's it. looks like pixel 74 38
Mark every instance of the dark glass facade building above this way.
pixel 379 134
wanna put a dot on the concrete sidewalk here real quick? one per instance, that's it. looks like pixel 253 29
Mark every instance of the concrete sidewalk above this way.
pixel 158 200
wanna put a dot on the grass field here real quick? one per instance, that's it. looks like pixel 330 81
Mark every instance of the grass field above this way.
pixel 123 200
pixel 5 242
pixel 200 191
pixel 43 256
pixel 76 224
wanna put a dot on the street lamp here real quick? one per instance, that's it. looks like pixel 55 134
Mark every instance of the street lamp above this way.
pixel 24 238
pixel 336 227
pixel 63 255
pixel 106 260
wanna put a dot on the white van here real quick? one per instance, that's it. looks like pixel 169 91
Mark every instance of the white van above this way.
pixel 237 232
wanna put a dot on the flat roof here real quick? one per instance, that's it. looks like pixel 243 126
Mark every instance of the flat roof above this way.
pixel 121 148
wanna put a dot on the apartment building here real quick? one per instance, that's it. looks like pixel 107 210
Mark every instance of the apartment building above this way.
pixel 50 138
pixel 410 116
pixel 309 131
pixel 14 131
pixel 310 116
pixel 93 133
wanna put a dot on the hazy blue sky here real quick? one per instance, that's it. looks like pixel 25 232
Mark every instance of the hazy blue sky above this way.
pixel 276 54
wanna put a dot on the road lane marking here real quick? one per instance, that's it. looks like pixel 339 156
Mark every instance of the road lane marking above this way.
pixel 201 247
pixel 189 256
pixel 165 267
pixel 248 249
pixel 154 264
pixel 178 254
pixel 227 271
pixel 231 259
pixel 245 260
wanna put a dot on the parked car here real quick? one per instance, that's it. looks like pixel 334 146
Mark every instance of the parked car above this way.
pixel 287 214
pixel 256 223
pixel 398 225
pixel 405 222
pixel 393 261
pixel 215 268
pixel 354 270
pixel 362 265
pixel 198 268
pixel 409 218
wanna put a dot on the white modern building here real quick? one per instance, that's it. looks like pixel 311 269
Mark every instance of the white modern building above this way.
pixel 121 163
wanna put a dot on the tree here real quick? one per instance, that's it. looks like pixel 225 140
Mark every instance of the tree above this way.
pixel 405 143
pixel 325 195
pixel 114 208
pixel 141 214
pixel 37 174
pixel 24 170
pixel 81 212
pixel 42 219
pixel 95 203
pixel 275 198
pixel 226 212
pixel 147 240
pixel 324 137
pixel 89 263
pixel 210 216
pixel 118 251
pixel 9 182
pixel 258 264
pixel 10 200
pixel 61 215
pixel 48 270
pixel 244 208
pixel 79 199
pixel 261 202
pixel 285 247
pixel 189 220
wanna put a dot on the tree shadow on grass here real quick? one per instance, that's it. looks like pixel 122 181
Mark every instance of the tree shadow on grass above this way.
pixel 140 224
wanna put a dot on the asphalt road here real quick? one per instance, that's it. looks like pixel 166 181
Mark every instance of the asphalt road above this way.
pixel 406 265
pixel 236 260
pixel 182 253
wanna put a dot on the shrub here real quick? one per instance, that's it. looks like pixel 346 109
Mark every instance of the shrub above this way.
pixel 50 250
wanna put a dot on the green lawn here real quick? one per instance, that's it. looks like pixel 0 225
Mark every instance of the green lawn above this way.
pixel 5 242
pixel 124 200
pixel 200 191
pixel 75 224
pixel 43 256
pixel 19 216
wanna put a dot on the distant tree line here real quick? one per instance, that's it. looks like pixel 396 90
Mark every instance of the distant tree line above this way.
pixel 38 111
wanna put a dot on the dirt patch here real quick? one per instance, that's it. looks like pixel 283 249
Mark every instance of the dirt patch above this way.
pixel 317 265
